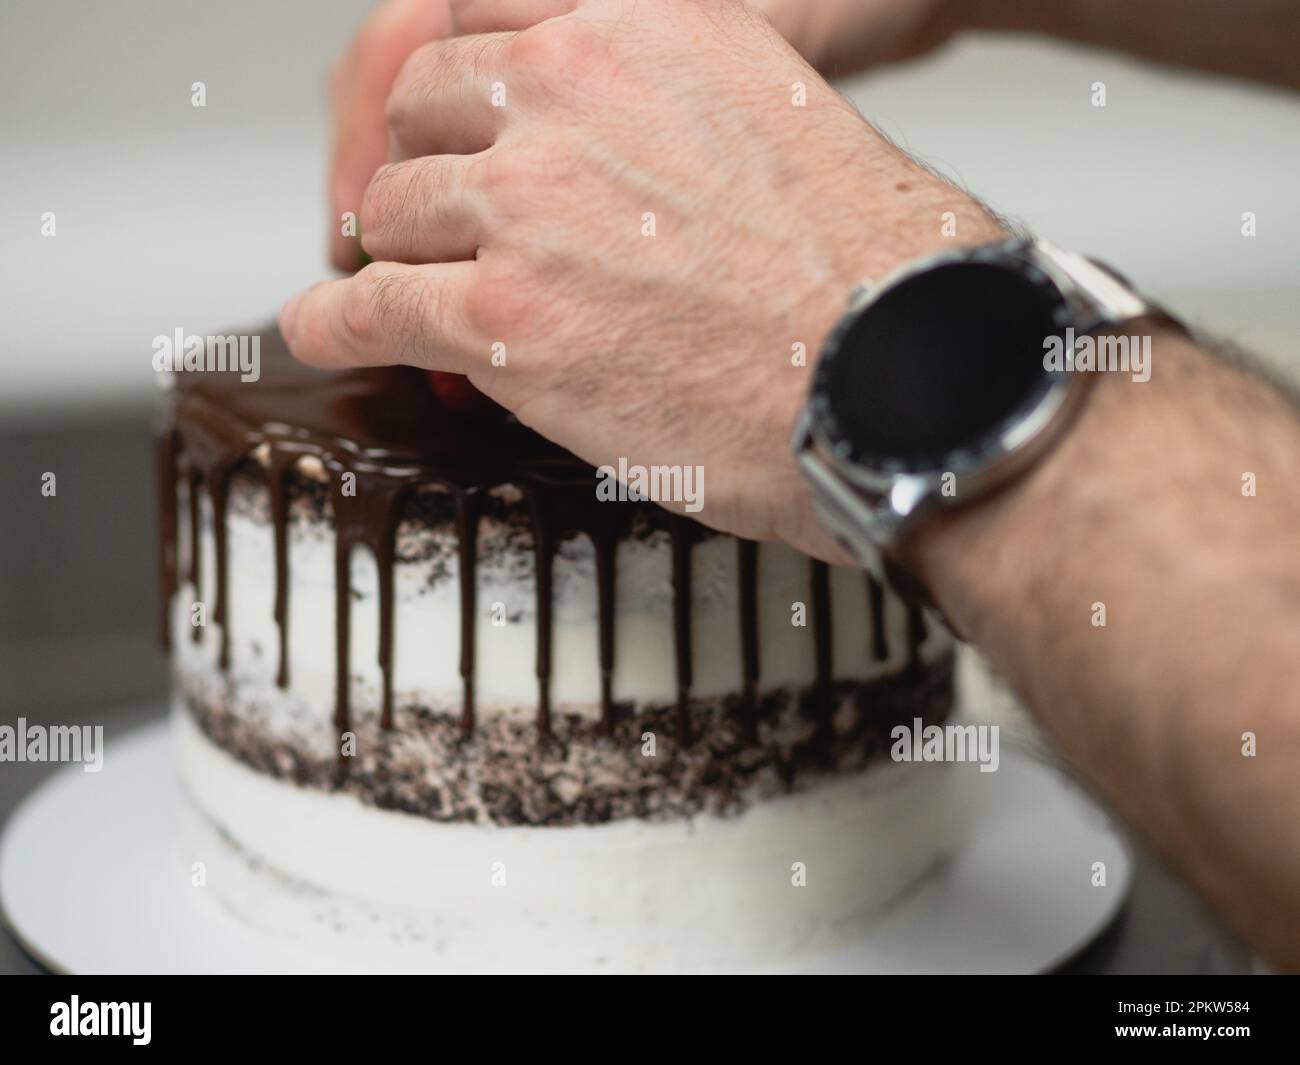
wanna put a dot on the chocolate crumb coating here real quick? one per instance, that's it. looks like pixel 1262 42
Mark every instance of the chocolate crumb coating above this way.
pixel 584 772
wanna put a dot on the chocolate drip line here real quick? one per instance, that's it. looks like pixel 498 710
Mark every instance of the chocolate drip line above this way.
pixel 281 462
pixel 365 515
pixel 915 636
pixel 876 605
pixel 219 496
pixel 544 560
pixel 605 543
pixel 467 511
pixel 196 547
pixel 384 435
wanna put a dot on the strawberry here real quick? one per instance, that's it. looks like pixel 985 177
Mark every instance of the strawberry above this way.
pixel 457 395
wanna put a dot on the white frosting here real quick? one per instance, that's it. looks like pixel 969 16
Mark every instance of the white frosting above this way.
pixel 426 631
pixel 702 894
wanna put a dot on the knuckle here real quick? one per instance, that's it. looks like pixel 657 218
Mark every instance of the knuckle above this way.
pixel 554 164
pixel 497 174
pixel 408 87
pixel 557 48
pixel 397 108
pixel 477 171
pixel 313 335
pixel 500 303
pixel 478 56
pixel 481 308
pixel 390 315
pixel 388 191
pixel 525 172
pixel 374 201
pixel 359 314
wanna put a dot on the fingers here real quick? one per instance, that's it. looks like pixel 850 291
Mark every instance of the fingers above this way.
pixel 492 16
pixel 387 313
pixel 422 211
pixel 443 102
pixel 362 82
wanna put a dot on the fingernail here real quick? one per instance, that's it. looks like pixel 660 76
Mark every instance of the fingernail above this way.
pixel 289 318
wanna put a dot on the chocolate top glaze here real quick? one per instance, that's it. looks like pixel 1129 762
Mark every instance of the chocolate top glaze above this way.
pixel 385 420
pixel 381 433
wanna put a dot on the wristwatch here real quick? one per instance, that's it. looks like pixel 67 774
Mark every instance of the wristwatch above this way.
pixel 945 381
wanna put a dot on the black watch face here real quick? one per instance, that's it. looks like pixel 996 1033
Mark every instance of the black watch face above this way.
pixel 938 365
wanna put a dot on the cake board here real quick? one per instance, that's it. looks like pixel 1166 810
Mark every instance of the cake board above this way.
pixel 97 876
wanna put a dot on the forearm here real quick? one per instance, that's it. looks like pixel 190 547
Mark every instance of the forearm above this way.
pixel 1141 509
pixel 1247 38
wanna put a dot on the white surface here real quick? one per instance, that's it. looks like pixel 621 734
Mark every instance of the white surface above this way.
pixel 95 877
pixel 171 216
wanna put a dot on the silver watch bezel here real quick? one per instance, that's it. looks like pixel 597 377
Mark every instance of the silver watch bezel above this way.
pixel 870 509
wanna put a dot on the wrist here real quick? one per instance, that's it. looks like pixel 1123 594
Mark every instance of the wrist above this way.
pixel 998 549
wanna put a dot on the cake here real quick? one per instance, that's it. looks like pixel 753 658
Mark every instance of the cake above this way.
pixel 417 662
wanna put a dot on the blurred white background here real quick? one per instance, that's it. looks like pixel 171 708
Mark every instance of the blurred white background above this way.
pixel 170 215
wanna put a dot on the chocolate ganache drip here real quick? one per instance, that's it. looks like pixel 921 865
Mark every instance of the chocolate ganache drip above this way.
pixel 196 545
pixel 381 434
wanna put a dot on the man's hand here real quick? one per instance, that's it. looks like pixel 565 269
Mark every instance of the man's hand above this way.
pixel 652 212
pixel 359 88
pixel 1250 38
pixel 836 36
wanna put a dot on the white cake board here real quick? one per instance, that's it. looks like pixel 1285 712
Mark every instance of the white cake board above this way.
pixel 96 869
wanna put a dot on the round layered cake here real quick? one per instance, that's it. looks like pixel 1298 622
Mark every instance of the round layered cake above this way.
pixel 421 662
